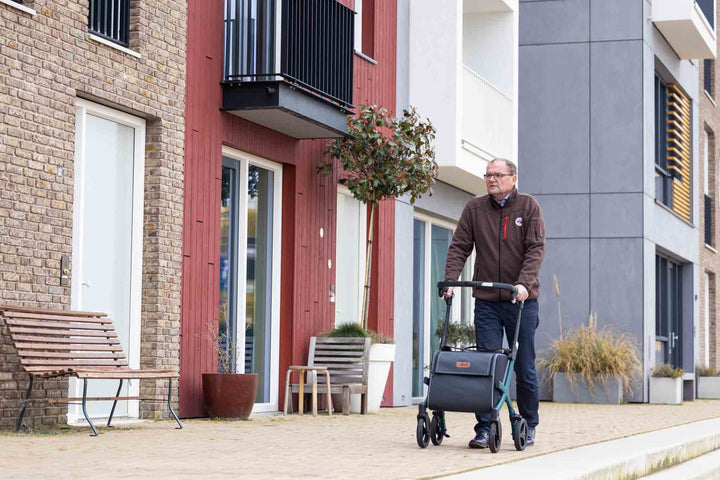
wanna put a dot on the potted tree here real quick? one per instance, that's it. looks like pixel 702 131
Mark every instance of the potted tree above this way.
pixel 383 157
pixel 666 384
pixel 227 394
pixel 588 365
pixel 382 354
pixel 708 382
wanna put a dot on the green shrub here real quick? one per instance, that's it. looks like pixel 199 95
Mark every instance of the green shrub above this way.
pixel 459 334
pixel 703 371
pixel 666 371
pixel 594 355
pixel 352 329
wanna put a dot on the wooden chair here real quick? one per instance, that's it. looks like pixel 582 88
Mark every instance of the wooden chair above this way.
pixel 59 343
pixel 346 359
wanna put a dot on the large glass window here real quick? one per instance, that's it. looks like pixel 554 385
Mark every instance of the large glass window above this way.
pixel 663 179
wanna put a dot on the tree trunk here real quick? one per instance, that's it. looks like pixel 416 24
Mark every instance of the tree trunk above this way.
pixel 368 268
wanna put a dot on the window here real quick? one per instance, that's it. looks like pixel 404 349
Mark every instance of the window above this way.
pixel 668 310
pixel 709 186
pixel 431 241
pixel 673 177
pixel 709 76
pixel 709 325
pixel 663 180
pixel 365 27
pixel 110 19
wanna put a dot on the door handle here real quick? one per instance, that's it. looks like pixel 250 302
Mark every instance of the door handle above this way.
pixel 673 339
pixel 86 283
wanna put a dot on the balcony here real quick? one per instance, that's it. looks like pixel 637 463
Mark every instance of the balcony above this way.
pixel 688 26
pixel 289 65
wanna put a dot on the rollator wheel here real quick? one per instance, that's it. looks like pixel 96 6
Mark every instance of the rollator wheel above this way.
pixel 435 434
pixel 495 437
pixel 422 433
pixel 520 434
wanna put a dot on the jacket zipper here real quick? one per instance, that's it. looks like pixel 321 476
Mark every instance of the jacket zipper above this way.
pixel 500 231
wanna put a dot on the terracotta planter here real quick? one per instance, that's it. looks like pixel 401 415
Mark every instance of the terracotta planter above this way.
pixel 229 395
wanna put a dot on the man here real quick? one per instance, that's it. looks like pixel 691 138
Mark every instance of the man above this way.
pixel 506 229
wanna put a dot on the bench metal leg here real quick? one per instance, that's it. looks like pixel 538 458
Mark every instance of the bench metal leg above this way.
pixel 180 425
pixel 84 409
pixel 112 411
pixel 22 410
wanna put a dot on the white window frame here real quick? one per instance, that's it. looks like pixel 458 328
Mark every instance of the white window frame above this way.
pixel 362 247
pixel 244 160
pixel 358 26
pixel 82 109
pixel 430 290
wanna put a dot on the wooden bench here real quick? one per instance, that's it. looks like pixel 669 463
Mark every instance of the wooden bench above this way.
pixel 58 343
pixel 347 360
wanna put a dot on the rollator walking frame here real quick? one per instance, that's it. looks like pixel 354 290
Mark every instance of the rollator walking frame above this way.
pixel 470 380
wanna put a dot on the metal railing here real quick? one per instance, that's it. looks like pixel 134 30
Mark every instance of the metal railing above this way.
pixel 311 49
pixel 110 19
pixel 487 115
pixel 708 9
pixel 709 224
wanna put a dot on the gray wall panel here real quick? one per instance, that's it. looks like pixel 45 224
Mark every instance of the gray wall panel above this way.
pixel 554 22
pixel 616 19
pixel 566 216
pixel 616 215
pixel 616 126
pixel 554 118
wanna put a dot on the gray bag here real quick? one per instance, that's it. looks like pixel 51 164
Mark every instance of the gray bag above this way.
pixel 466 381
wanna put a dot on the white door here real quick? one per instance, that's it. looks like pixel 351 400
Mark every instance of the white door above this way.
pixel 349 257
pixel 107 236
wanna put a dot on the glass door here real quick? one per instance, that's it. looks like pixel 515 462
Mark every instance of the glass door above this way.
pixel 350 248
pixel 431 241
pixel 668 311
pixel 249 262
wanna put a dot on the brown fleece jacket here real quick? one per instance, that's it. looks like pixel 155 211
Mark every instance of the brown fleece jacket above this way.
pixel 509 244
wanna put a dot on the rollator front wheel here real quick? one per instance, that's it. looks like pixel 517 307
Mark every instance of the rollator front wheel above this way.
pixel 422 434
pixel 520 434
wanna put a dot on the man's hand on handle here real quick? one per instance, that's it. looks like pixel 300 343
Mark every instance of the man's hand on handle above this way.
pixel 448 292
pixel 522 293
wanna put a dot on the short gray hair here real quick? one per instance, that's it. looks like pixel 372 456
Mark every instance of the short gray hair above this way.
pixel 510 165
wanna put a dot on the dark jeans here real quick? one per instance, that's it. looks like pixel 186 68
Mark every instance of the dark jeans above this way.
pixel 490 318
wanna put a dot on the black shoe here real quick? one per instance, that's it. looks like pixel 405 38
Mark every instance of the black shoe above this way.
pixel 531 436
pixel 480 440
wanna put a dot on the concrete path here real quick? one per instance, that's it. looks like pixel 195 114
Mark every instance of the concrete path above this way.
pixel 380 446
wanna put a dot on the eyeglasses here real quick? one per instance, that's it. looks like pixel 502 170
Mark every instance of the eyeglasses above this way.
pixel 490 176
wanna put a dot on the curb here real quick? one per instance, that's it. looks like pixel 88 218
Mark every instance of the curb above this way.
pixel 623 459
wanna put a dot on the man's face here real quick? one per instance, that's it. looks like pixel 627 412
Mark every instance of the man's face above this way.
pixel 499 186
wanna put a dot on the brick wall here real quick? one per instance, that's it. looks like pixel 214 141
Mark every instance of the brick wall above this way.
pixel 709 256
pixel 47 61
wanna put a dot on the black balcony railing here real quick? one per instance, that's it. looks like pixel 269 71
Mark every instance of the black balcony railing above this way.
pixel 110 19
pixel 709 221
pixel 314 45
pixel 708 8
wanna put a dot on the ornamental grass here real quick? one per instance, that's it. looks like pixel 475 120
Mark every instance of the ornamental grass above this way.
pixel 594 355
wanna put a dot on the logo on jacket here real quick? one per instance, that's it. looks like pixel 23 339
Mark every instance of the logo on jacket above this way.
pixel 462 364
pixel 518 221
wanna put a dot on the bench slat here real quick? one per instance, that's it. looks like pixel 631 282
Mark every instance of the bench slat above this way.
pixel 65 340
pixel 37 354
pixel 101 399
pixel 68 347
pixel 64 318
pixel 9 309
pixel 68 333
pixel 53 324
pixel 323 347
pixel 71 363
pixel 127 375
pixel 340 340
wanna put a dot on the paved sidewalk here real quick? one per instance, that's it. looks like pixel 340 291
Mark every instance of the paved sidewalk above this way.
pixel 380 446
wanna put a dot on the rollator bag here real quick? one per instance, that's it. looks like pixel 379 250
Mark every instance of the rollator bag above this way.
pixel 466 381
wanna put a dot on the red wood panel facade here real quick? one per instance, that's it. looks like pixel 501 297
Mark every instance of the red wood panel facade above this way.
pixel 309 203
